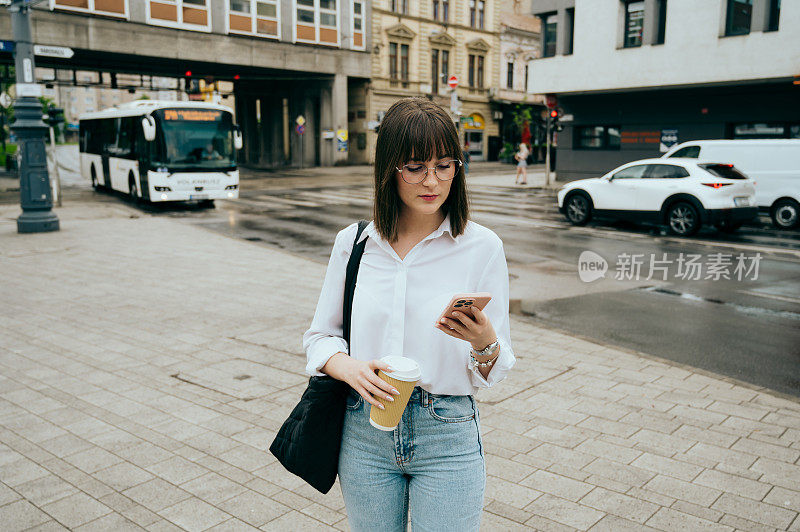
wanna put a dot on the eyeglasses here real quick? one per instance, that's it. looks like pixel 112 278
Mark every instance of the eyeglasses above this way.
pixel 414 173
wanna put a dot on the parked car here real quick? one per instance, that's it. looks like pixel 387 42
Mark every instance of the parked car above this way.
pixel 682 194
pixel 774 166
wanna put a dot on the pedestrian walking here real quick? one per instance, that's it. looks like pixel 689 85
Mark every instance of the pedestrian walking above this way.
pixel 522 164
pixel 467 158
pixel 420 249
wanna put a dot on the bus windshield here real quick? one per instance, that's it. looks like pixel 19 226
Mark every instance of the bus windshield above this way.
pixel 194 138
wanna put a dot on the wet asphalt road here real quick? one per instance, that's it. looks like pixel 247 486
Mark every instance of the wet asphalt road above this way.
pixel 748 329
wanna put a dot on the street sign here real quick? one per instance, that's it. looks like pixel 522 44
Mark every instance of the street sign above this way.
pixel 6 46
pixel 53 51
pixel 551 101
pixel 452 82
pixel 300 129
pixel 300 120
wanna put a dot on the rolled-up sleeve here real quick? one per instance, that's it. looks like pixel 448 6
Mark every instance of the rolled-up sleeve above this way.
pixel 495 281
pixel 324 339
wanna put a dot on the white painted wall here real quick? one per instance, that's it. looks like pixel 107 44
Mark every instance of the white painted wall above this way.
pixel 693 52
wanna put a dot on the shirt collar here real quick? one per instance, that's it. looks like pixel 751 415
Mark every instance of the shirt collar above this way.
pixel 443 228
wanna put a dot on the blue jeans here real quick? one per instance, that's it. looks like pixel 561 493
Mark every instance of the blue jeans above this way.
pixel 433 462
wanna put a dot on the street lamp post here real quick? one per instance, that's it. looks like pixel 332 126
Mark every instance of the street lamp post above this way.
pixel 34 182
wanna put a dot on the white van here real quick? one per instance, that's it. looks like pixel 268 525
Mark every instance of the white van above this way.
pixel 774 165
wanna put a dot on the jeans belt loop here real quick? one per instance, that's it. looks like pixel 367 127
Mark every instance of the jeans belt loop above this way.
pixel 424 398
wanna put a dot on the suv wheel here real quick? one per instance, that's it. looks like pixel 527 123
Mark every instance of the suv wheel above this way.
pixel 683 219
pixel 578 209
pixel 785 214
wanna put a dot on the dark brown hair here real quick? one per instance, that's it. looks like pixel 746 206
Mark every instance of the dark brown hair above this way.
pixel 415 129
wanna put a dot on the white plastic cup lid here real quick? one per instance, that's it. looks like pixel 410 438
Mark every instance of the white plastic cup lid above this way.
pixel 403 369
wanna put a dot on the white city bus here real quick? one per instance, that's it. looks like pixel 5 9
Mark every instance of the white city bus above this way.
pixel 162 151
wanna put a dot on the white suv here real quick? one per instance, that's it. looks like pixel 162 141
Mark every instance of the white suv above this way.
pixel 680 193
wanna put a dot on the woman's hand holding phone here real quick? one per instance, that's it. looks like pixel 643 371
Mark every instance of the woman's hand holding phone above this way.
pixel 475 329
pixel 362 376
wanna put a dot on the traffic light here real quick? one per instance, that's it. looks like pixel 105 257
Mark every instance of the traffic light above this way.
pixel 55 116
pixel 555 114
pixel 190 85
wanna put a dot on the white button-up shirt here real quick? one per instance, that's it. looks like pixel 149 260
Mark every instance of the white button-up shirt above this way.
pixel 397 303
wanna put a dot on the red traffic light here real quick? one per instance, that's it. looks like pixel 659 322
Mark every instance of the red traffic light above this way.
pixel 236 76
pixel 188 74
pixel 553 113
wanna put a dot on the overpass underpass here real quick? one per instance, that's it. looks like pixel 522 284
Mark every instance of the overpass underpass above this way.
pixel 273 82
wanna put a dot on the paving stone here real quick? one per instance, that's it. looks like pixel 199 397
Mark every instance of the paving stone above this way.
pixel 177 470
pixel 507 469
pixel 194 515
pixel 44 490
pixel 733 484
pixel 76 509
pixel 719 454
pixel 560 486
pixel 696 510
pixel 122 476
pixel 743 524
pixel 755 511
pixel 620 505
pixel 669 519
pixel 112 521
pixel 622 473
pixel 253 508
pixel 156 494
pixel 20 515
pixel 565 512
pixel 506 510
pixel 612 523
pixel 778 496
pixel 607 450
pixel 685 491
pixel 667 466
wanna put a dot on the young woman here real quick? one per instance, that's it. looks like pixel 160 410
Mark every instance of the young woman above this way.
pixel 522 164
pixel 421 250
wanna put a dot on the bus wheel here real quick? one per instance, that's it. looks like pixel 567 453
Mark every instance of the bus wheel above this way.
pixel 133 194
pixel 95 184
pixel 207 204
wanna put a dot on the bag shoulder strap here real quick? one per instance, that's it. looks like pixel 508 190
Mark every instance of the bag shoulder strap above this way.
pixel 350 279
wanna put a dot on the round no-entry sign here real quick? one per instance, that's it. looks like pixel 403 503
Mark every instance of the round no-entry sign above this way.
pixel 452 82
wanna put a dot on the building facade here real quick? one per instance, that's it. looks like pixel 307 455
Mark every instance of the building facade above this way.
pixel 520 113
pixel 633 77
pixel 418 44
pixel 285 59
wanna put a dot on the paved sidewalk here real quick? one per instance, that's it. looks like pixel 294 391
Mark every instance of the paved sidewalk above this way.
pixel 146 363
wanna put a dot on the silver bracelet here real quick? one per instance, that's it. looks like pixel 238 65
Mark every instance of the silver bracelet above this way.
pixel 493 347
pixel 483 364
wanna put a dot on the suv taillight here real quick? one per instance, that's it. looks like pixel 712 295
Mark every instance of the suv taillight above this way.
pixel 717 185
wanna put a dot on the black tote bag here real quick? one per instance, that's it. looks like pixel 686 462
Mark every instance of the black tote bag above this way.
pixel 308 442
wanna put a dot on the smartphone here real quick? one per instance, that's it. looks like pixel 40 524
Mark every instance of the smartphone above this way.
pixel 464 302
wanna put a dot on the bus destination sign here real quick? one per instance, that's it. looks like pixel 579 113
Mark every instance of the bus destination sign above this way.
pixel 193 115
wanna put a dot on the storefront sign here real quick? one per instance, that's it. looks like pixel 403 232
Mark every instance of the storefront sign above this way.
pixel 473 121
pixel 640 137
pixel 669 138
pixel 341 140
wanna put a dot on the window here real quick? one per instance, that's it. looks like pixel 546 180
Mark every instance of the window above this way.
pixel 316 21
pixel 570 29
pixel 436 7
pixel 597 137
pixel 728 171
pixel 661 28
pixel 404 64
pixel 471 70
pixel 739 15
pixel 634 22
pixel 510 75
pixel 666 171
pixel 480 71
pixel 393 60
pixel 774 15
pixel 476 13
pixel 440 67
pixel 440 10
pixel 179 13
pixel 549 35
pixel 399 6
pixel 305 11
pixel 358 24
pixel 445 10
pixel 105 7
pixel 254 17
pixel 631 172
pixel 690 152
pixel 435 71
pixel 398 66
pixel 525 88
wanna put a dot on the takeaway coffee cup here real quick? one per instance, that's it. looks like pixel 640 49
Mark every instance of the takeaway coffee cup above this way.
pixel 404 376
